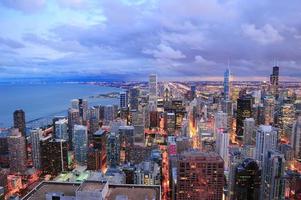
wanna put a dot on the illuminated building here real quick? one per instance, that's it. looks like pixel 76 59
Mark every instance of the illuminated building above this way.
pixel 109 113
pixel 249 131
pixel 274 82
pixel 4 153
pixel 244 110
pixel 80 142
pixel 82 106
pixel 152 84
pixel 200 176
pixel 227 84
pixel 269 110
pixel 147 173
pixel 273 176
pixel 17 151
pixel 113 150
pixel 293 185
pixel 35 136
pixel 222 147
pixel 296 138
pixel 54 155
pixel 170 123
pixel 154 119
pixel 61 129
pixel 126 134
pixel 220 122
pixel 97 154
pixel 286 120
pixel 19 121
pixel 266 139
pixel 3 179
pixel 247 180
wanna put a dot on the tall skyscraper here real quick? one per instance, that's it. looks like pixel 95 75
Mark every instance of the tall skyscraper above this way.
pixel 274 82
pixel 227 84
pixel 152 84
pixel 17 153
pixel 61 129
pixel 200 176
pixel 134 98
pixel 244 110
pixel 126 134
pixel 123 99
pixel 113 150
pixel 97 154
pixel 82 106
pixel 273 176
pixel 296 138
pixel 73 119
pixel 35 136
pixel 266 139
pixel 269 110
pixel 19 121
pixel 109 113
pixel 222 147
pixel 249 131
pixel 220 122
pixel 247 180
pixel 80 142
pixel 54 155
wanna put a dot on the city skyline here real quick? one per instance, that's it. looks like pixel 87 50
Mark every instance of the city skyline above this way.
pixel 78 38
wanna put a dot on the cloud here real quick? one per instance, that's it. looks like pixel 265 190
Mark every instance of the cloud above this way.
pixel 11 43
pixel 27 6
pixel 165 52
pixel 200 60
pixel 265 35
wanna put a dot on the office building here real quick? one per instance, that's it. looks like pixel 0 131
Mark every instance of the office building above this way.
pixel 222 147
pixel 296 138
pixel 124 101
pixel 61 129
pixel 126 134
pixel 19 121
pixel 113 150
pixel 274 82
pixel 227 85
pixel 244 110
pixel 80 144
pixel 153 93
pixel 134 98
pixel 200 176
pixel 73 119
pixel 17 152
pixel 35 136
pixel 249 132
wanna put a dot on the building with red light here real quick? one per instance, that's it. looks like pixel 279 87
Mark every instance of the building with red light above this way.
pixel 200 176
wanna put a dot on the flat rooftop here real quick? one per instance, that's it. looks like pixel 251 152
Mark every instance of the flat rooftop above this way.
pixel 91 186
pixel 39 192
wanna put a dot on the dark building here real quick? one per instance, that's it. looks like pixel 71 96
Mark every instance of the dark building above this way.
pixel 274 82
pixel 244 110
pixel 19 121
pixel 154 119
pixel 4 154
pixel 200 176
pixel 247 180
pixel 134 98
pixel 126 138
pixel 54 155
pixel 97 151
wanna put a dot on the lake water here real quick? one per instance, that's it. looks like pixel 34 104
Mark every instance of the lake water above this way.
pixel 46 100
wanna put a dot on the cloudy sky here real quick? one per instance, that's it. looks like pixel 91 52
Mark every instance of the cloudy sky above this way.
pixel 128 39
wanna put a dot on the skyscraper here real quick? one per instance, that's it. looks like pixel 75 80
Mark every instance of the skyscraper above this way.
pixel 61 129
pixel 126 142
pixel 123 99
pixel 249 131
pixel 54 155
pixel 244 110
pixel 35 136
pixel 222 147
pixel 266 139
pixel 82 106
pixel 19 121
pixel 269 110
pixel 273 180
pixel 152 84
pixel 227 84
pixel 17 153
pixel 80 142
pixel 274 82
pixel 200 176
pixel 247 180
pixel 134 101
pixel 73 119
pixel 296 138
pixel 113 150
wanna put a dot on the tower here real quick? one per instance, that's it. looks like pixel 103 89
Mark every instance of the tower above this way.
pixel 274 82
pixel 227 84
pixel 153 92
pixel 35 136
pixel 80 142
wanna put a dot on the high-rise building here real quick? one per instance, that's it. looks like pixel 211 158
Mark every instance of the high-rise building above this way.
pixel 227 84
pixel 249 131
pixel 82 106
pixel 296 138
pixel 17 153
pixel 273 184
pixel 54 155
pixel 244 110
pixel 97 154
pixel 153 92
pixel 109 113
pixel 266 139
pixel 274 82
pixel 200 176
pixel 61 129
pixel 19 121
pixel 73 119
pixel 35 136
pixel 286 121
pixel 170 123
pixel 222 147
pixel 220 122
pixel 126 134
pixel 123 97
pixel 269 110
pixel 134 98
pixel 113 150
pixel 80 142
pixel 247 180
